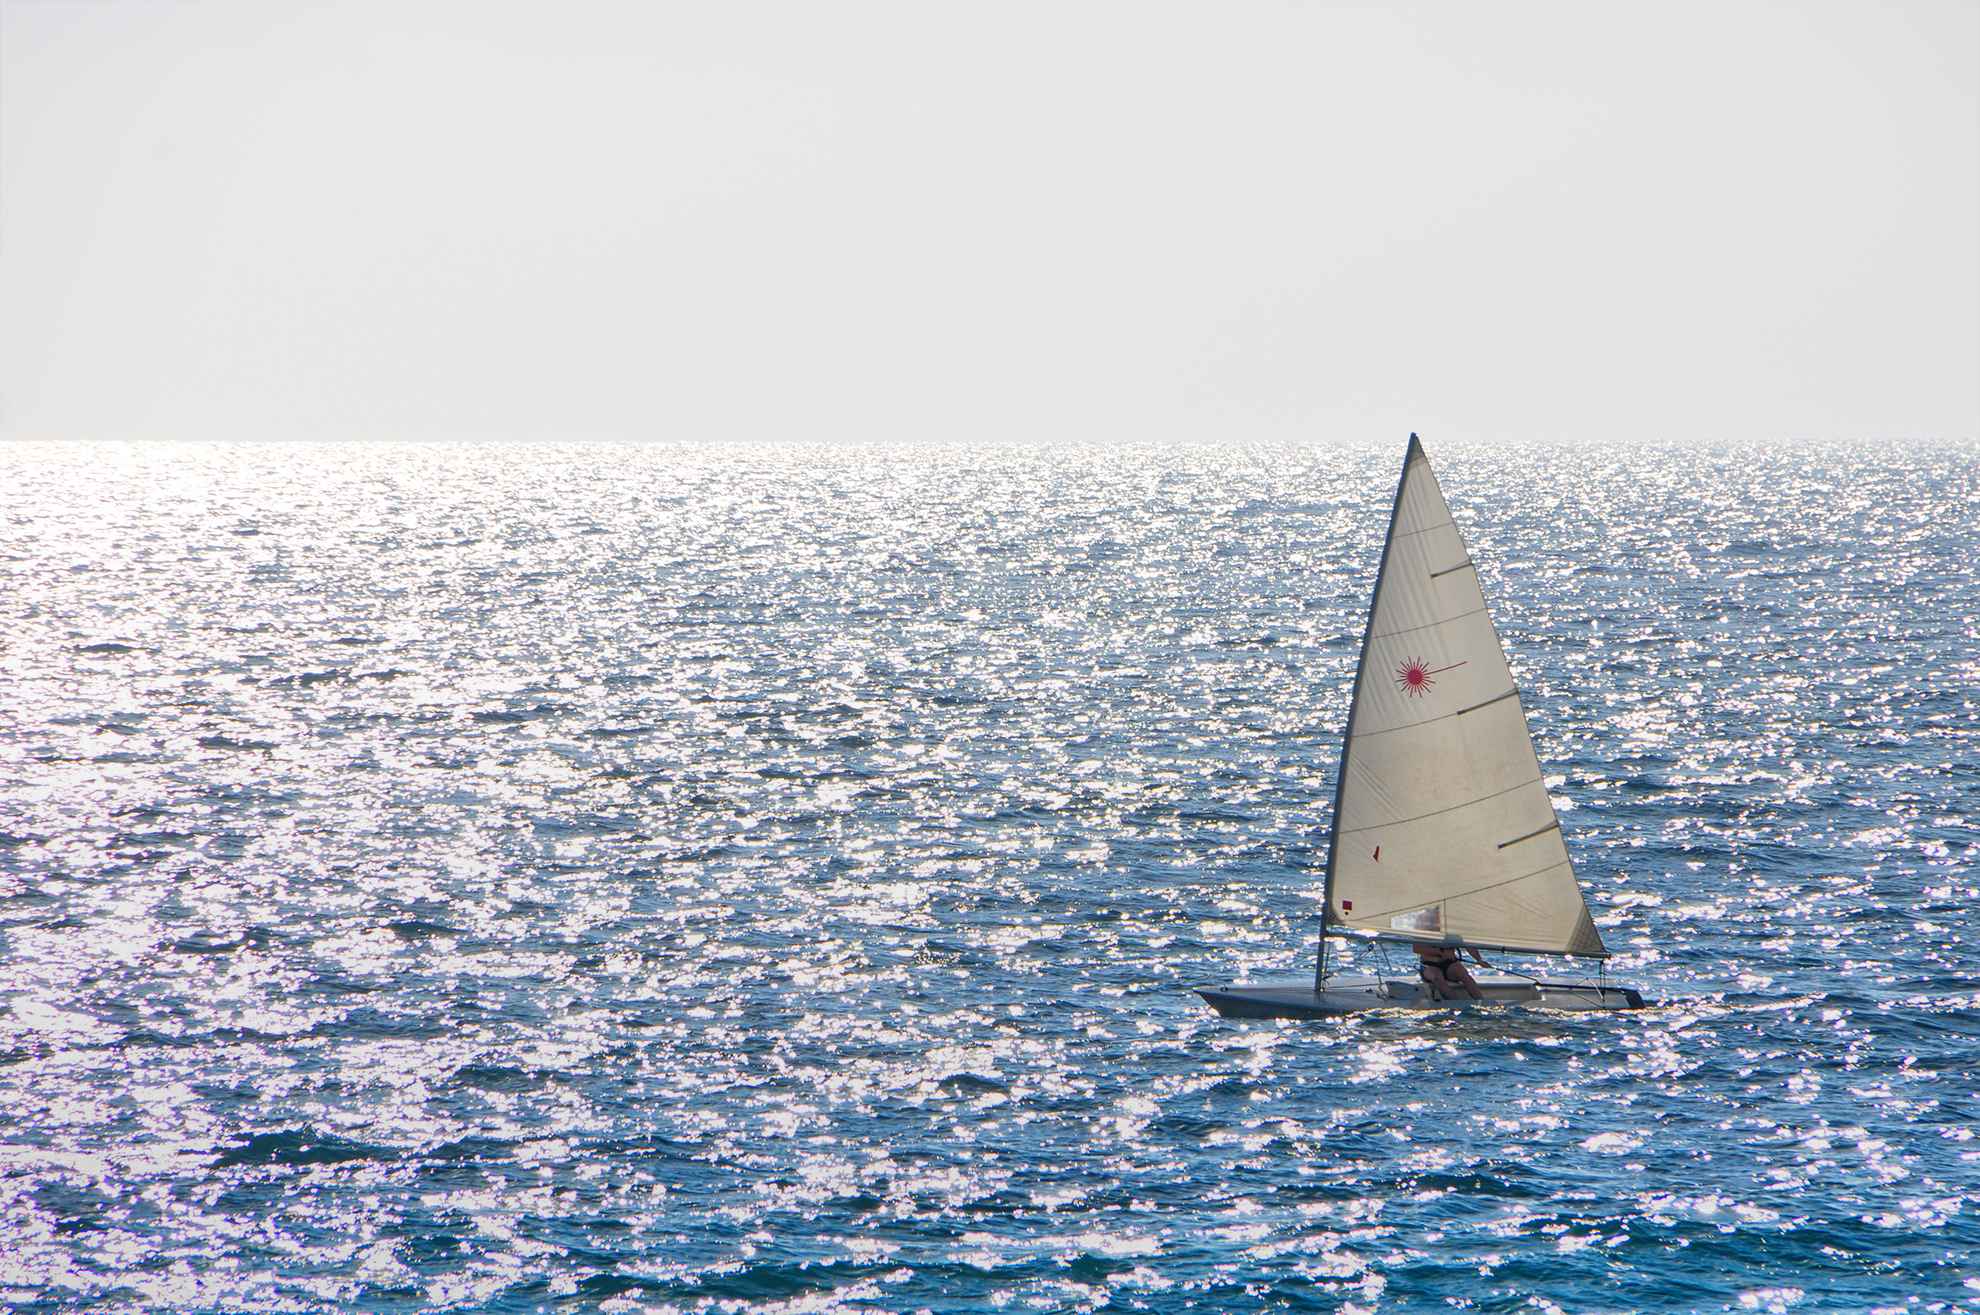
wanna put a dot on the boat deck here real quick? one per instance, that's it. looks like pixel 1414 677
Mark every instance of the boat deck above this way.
pixel 1296 998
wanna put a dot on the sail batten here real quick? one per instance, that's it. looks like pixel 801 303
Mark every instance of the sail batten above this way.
pixel 1551 826
pixel 1477 890
pixel 1440 812
pixel 1438 768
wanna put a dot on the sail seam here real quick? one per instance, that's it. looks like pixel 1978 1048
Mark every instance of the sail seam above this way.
pixel 1462 894
pixel 1438 812
pixel 1432 721
pixel 1442 621
pixel 1448 569
pixel 1554 825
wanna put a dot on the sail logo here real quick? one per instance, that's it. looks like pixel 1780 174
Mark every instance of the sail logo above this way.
pixel 1413 676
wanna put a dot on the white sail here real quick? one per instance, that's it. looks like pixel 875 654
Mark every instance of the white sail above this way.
pixel 1442 827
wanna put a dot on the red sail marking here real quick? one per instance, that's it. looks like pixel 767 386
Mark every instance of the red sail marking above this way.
pixel 1413 678
pixel 1378 853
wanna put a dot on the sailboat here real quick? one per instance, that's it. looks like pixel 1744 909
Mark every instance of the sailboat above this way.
pixel 1443 832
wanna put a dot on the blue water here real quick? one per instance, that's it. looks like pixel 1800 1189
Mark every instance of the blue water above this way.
pixel 654 878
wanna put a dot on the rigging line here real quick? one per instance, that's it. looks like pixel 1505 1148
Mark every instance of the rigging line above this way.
pixel 1554 825
pixel 1511 971
pixel 1437 812
pixel 1404 938
pixel 1447 570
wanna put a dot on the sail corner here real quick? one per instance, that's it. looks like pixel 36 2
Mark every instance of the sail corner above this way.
pixel 1585 940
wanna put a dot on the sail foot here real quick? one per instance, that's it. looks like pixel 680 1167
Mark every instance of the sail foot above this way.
pixel 1539 910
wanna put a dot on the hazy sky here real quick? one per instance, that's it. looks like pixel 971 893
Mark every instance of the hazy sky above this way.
pixel 1009 221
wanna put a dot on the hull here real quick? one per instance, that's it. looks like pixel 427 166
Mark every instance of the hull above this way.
pixel 1346 995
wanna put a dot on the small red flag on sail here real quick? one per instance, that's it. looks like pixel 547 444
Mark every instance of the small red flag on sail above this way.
pixel 1378 853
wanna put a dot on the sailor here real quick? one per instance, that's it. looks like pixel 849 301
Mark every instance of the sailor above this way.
pixel 1443 968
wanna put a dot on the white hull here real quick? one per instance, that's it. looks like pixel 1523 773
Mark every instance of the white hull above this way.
pixel 1296 998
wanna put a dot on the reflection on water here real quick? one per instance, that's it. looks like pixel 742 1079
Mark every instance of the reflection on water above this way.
pixel 670 878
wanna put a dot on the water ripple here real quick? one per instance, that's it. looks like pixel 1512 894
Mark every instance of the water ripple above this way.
pixel 679 878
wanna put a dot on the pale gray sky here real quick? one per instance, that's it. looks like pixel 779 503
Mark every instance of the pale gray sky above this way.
pixel 1004 221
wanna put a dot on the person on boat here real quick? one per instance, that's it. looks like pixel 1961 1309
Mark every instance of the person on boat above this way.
pixel 1443 968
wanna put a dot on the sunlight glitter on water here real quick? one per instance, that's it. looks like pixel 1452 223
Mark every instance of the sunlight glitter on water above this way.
pixel 656 878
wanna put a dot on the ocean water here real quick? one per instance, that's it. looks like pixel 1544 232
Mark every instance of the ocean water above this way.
pixel 659 878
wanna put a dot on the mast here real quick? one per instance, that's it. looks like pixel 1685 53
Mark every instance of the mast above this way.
pixel 1347 730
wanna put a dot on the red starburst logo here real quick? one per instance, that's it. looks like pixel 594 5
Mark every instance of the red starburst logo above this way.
pixel 1413 677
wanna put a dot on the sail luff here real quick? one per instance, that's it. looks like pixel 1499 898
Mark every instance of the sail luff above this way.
pixel 1354 702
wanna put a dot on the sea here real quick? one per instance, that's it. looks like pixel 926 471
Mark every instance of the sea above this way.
pixel 773 878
